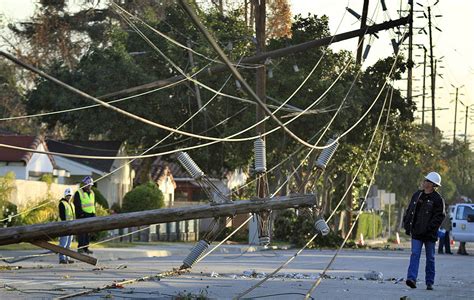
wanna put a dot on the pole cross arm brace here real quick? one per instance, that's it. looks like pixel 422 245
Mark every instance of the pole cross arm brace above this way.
pixel 13 235
pixel 58 249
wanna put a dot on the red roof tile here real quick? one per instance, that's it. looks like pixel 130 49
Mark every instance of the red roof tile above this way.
pixel 11 155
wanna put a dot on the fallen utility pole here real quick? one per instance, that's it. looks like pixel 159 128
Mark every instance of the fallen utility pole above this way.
pixel 13 235
pixel 272 54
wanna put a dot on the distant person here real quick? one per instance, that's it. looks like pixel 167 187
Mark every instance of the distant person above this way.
pixel 66 213
pixel 84 203
pixel 422 219
pixel 444 242
pixel 462 249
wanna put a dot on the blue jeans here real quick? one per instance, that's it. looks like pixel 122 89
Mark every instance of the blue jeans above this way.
pixel 416 246
pixel 65 242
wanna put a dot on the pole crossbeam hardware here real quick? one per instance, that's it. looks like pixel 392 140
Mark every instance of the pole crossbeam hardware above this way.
pixel 18 234
pixel 272 54
pixel 216 197
pixel 212 191
pixel 58 249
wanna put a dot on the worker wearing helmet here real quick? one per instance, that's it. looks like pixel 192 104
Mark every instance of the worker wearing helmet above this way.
pixel 421 221
pixel 66 213
pixel 84 203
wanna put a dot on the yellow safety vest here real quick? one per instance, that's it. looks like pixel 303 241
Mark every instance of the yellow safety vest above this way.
pixel 69 209
pixel 87 201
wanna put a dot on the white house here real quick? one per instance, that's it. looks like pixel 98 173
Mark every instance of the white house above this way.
pixel 27 165
pixel 114 178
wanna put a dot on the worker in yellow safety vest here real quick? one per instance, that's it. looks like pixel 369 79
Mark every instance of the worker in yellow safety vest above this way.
pixel 84 203
pixel 66 213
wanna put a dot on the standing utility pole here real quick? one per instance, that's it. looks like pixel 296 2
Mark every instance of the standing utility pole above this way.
pixel 465 124
pixel 424 87
pixel 455 116
pixel 433 85
pixel 260 18
pixel 410 53
pixel 363 23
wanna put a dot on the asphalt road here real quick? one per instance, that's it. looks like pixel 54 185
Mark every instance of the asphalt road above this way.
pixel 232 270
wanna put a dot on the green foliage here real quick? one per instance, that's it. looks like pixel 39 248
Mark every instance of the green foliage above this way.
pixel 7 185
pixel 144 197
pixel 48 212
pixel 9 209
pixel 48 179
pixel 366 224
pixel 100 199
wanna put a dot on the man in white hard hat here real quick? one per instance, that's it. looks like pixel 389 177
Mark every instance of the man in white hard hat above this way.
pixel 66 213
pixel 421 221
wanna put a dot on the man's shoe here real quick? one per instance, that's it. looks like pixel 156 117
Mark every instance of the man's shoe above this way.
pixel 81 250
pixel 89 251
pixel 429 287
pixel 63 262
pixel 449 253
pixel 411 283
pixel 440 252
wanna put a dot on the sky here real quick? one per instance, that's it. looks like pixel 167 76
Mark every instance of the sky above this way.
pixel 454 46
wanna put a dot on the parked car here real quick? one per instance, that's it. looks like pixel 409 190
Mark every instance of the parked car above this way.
pixel 463 222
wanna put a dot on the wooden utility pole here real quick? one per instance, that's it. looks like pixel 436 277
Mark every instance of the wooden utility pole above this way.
pixel 363 25
pixel 424 87
pixel 196 86
pixel 12 235
pixel 260 20
pixel 455 117
pixel 433 74
pixel 360 47
pixel 410 54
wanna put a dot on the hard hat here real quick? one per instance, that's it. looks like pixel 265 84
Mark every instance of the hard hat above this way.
pixel 67 192
pixel 88 180
pixel 434 178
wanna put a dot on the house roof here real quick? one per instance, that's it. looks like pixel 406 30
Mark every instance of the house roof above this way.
pixel 11 155
pixel 92 148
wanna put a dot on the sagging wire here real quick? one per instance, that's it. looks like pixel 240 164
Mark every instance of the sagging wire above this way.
pixel 372 178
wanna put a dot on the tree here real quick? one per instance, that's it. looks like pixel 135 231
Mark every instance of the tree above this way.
pixel 144 197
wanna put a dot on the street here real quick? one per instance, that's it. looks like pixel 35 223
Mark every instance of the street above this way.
pixel 232 270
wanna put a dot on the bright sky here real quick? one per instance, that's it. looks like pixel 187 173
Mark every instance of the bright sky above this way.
pixel 455 44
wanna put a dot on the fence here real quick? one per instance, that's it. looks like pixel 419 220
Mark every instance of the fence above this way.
pixel 27 192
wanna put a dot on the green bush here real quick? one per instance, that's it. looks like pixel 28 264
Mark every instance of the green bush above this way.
pixel 144 197
pixel 99 198
pixel 9 209
pixel 48 212
pixel 366 225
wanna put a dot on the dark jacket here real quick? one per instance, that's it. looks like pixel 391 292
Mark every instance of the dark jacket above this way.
pixel 424 215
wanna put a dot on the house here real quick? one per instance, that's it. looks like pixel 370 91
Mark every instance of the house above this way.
pixel 29 168
pixel 114 177
pixel 28 165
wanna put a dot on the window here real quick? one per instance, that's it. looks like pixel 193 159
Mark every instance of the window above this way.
pixel 463 211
